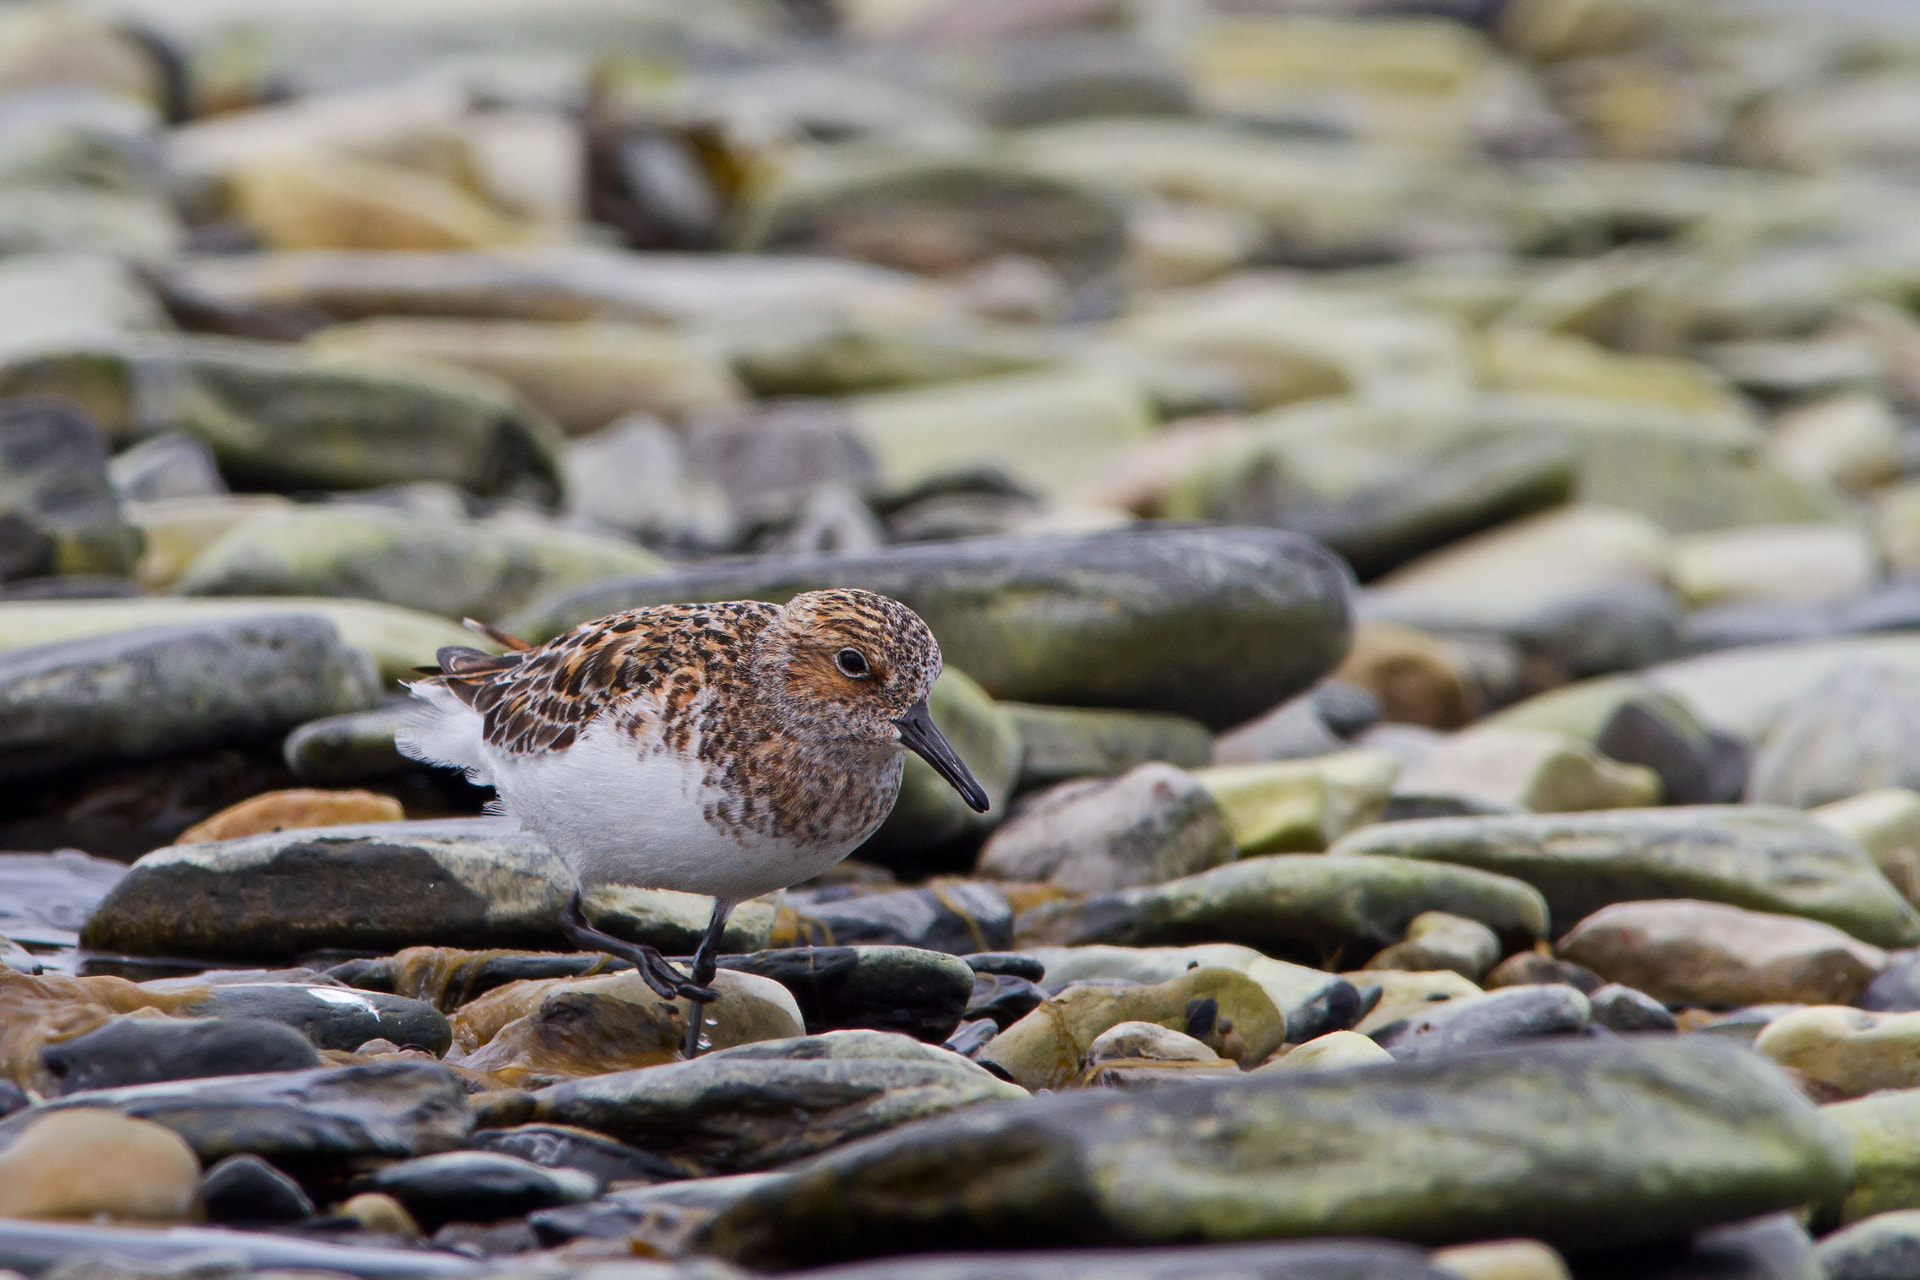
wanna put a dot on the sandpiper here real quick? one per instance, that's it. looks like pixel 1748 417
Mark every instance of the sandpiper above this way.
pixel 723 749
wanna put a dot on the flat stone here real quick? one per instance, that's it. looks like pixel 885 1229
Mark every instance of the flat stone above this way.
pixel 157 691
pixel 1436 940
pixel 79 1163
pixel 1298 1260
pixel 957 917
pixel 909 990
pixel 299 808
pixel 1002 999
pixel 1497 1019
pixel 1896 988
pixel 1300 805
pixel 1314 1001
pixel 1531 769
pixel 1153 824
pixel 477 1186
pixel 58 512
pixel 559 1146
pixel 1179 612
pixel 396 639
pixel 1300 906
pixel 1619 1008
pixel 248 1190
pixel 330 1016
pixel 451 566
pixel 1886 823
pixel 1788 562
pixel 278 417
pixel 1707 953
pixel 1764 859
pixel 1856 731
pixel 1046 1048
pixel 372 888
pixel 674 922
pixel 1883 1247
pixel 37 1247
pixel 170 465
pixel 356 747
pixel 1406 995
pixel 1329 1052
pixel 449 977
pixel 741 1113
pixel 534 1033
pixel 127 1051
pixel 1694 1134
pixel 391 1109
pixel 1063 743
pixel 1854 1051
pixel 1883 1130
pixel 658 1215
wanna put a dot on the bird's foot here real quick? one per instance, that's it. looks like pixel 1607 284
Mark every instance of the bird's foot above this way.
pixel 655 969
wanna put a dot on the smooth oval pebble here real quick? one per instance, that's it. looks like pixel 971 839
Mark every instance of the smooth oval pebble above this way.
pixel 81 1162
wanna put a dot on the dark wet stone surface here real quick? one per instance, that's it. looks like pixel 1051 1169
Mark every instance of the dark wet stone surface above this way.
pixel 34 1247
pixel 1002 998
pixel 392 1109
pixel 559 1146
pixel 1301 1260
pixel 477 1186
pixel 128 1051
pixel 333 1017
pixel 911 990
pixel 956 918
pixel 1498 1018
pixel 45 898
pixel 246 1190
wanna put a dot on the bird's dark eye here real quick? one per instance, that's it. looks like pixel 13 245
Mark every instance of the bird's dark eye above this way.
pixel 852 663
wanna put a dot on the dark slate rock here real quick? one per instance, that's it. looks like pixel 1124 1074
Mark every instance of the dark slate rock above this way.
pixel 1897 988
pixel 911 990
pixel 477 1186
pixel 333 1017
pixel 618 1215
pixel 761 1105
pixel 46 897
pixel 1619 1008
pixel 969 1038
pixel 129 1051
pixel 480 972
pixel 1894 606
pixel 1673 1134
pixel 378 887
pixel 355 747
pixel 1301 1260
pixel 1856 730
pixel 1062 743
pixel 1885 1246
pixel 58 512
pixel 33 1248
pixel 956 918
pixel 1003 998
pixel 12 1098
pixel 1218 624
pixel 1694 768
pixel 1759 857
pixel 1497 1018
pixel 1306 907
pixel 1774 1247
pixel 1016 964
pixel 391 1109
pixel 134 695
pixel 72 586
pixel 559 1146
pixel 248 1190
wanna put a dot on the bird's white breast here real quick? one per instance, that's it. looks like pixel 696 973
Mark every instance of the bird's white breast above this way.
pixel 620 811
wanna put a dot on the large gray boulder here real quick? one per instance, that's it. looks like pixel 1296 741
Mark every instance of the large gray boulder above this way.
pixel 135 695
pixel 1588 1144
pixel 1218 624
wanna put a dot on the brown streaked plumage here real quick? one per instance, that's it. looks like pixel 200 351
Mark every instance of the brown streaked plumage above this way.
pixel 724 749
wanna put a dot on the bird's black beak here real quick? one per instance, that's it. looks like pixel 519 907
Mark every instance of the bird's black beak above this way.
pixel 918 735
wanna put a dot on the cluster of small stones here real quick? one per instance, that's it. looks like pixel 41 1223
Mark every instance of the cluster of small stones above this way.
pixel 1416 500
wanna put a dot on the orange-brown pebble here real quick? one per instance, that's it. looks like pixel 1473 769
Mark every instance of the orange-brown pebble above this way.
pixel 84 1162
pixel 292 810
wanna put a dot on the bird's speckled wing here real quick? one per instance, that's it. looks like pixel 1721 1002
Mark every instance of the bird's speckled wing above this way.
pixel 541 699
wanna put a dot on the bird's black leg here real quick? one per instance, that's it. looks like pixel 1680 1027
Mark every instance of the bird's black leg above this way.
pixel 654 968
pixel 706 962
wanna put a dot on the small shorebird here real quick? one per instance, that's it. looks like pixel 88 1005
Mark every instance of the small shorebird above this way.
pixel 721 749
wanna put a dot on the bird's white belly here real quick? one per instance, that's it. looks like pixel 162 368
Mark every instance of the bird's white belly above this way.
pixel 616 817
